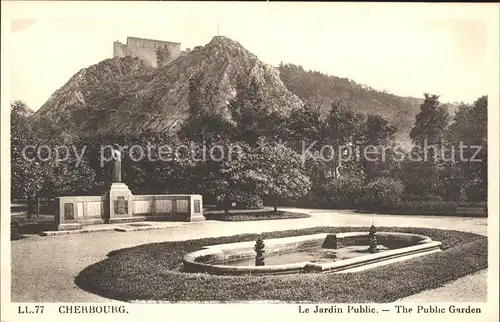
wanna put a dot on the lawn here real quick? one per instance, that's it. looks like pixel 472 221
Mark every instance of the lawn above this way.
pixel 148 272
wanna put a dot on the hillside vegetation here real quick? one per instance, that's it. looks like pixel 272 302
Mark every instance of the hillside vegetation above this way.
pixel 320 90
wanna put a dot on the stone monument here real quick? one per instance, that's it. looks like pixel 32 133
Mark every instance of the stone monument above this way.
pixel 119 205
pixel 118 200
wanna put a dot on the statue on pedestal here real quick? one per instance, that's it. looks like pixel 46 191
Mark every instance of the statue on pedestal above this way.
pixel 117 166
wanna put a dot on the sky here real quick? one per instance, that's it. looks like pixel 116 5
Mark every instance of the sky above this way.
pixel 405 49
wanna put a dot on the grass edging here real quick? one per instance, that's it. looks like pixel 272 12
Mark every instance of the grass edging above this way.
pixel 147 272
pixel 429 208
pixel 255 215
pixel 400 212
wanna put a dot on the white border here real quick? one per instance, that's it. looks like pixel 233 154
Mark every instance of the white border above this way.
pixel 242 312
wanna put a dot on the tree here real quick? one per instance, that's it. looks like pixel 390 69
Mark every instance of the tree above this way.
pixel 279 174
pixel 35 172
pixel 227 173
pixel 419 179
pixel 431 122
pixel 470 129
pixel 69 177
pixel 305 124
pixel 342 130
pixel 27 173
pixel 167 167
pixel 422 175
pixel 240 169
pixel 331 135
pixel 376 135
pixel 20 112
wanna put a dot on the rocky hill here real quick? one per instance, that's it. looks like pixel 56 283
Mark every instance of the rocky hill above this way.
pixel 124 94
pixel 127 95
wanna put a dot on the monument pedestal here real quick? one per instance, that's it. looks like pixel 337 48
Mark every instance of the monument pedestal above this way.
pixel 196 218
pixel 196 208
pixel 118 203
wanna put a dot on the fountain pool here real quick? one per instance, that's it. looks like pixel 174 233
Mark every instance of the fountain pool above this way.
pixel 342 252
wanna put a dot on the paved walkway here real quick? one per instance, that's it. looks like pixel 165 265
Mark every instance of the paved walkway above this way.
pixel 471 288
pixel 44 268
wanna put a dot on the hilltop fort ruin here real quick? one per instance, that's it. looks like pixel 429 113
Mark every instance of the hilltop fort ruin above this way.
pixel 155 52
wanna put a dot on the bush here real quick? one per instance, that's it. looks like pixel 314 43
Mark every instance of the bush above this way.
pixel 310 200
pixel 416 197
pixel 343 192
pixel 426 207
pixel 243 200
pixel 15 233
pixel 248 201
pixel 382 193
pixel 477 192
pixel 479 204
pixel 254 215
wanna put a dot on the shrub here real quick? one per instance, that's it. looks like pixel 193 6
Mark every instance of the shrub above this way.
pixel 15 231
pixel 477 192
pixel 243 200
pixel 382 193
pixel 479 204
pixel 254 215
pixel 343 192
pixel 417 197
pixel 249 201
pixel 426 207
pixel 310 200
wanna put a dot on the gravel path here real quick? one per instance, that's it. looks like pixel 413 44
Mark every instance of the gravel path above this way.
pixel 44 268
pixel 471 288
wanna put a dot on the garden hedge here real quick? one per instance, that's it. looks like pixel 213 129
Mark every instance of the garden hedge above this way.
pixel 439 208
pixel 255 215
pixel 151 272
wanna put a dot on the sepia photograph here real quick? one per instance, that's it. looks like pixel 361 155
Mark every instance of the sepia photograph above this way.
pixel 329 156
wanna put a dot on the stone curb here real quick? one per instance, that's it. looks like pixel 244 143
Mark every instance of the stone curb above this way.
pixel 140 228
pixel 79 231
pixel 123 229
pixel 128 229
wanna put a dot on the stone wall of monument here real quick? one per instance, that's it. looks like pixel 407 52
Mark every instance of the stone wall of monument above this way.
pixel 74 212
pixel 146 49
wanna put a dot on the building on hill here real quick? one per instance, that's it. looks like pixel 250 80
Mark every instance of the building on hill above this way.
pixel 155 52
